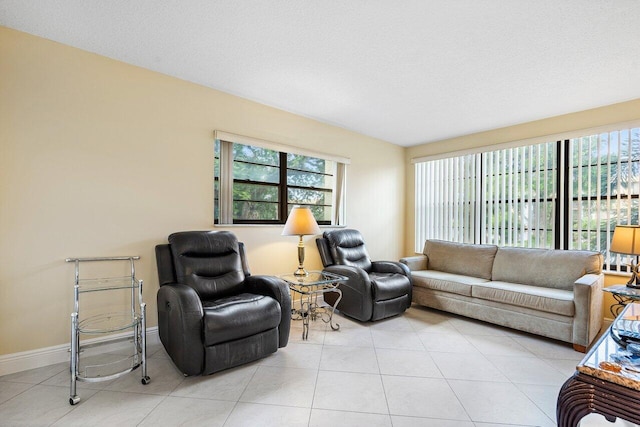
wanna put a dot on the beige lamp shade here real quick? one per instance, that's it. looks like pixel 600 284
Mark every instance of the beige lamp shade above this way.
pixel 626 240
pixel 300 222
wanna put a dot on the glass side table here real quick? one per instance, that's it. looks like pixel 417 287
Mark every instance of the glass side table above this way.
pixel 623 296
pixel 306 290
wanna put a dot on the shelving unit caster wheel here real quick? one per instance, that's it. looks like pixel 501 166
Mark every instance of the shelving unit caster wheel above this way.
pixel 146 380
pixel 74 400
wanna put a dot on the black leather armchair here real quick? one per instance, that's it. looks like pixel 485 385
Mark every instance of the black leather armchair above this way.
pixel 375 289
pixel 212 314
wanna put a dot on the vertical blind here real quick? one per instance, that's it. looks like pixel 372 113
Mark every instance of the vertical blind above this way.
pixel 446 196
pixel 604 190
pixel 519 196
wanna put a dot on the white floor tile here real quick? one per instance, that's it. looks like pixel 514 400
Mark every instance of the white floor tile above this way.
pixel 295 355
pixel 467 326
pixel 446 342
pixel 38 375
pixel 498 345
pixel 281 386
pixel 184 411
pixel 315 336
pixel 253 414
pixel 346 391
pixel 9 390
pixel 352 337
pixel 224 385
pixel 474 366
pixel 164 378
pixel 349 359
pixel 393 324
pixel 422 397
pixel 407 363
pixel 399 421
pixel 544 396
pixel 111 408
pixel 537 371
pixel 39 405
pixel 494 402
pixel 327 418
pixel 398 340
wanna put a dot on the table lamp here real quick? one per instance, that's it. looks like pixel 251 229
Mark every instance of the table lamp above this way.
pixel 300 223
pixel 626 240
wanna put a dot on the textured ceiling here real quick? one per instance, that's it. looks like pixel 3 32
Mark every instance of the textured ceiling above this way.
pixel 405 71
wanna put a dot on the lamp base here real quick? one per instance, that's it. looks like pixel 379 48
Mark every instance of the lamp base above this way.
pixel 634 281
pixel 301 272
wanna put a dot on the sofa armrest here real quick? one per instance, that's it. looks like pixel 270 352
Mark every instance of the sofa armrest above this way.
pixel 390 267
pixel 180 317
pixel 417 262
pixel 587 297
pixel 277 289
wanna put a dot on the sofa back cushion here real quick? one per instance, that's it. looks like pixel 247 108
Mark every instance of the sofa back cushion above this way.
pixel 548 268
pixel 460 258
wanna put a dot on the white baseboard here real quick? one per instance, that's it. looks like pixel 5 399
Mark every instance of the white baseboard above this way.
pixel 17 362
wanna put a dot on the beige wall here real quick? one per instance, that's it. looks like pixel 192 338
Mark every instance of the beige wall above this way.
pixel 616 113
pixel 102 158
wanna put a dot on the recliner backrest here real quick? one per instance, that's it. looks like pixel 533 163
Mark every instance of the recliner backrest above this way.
pixel 208 261
pixel 347 248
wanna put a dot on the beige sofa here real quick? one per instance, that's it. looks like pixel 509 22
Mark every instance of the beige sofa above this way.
pixel 554 293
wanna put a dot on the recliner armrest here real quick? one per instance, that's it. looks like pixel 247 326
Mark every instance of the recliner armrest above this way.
pixel 415 263
pixel 277 289
pixel 357 293
pixel 180 317
pixel 390 267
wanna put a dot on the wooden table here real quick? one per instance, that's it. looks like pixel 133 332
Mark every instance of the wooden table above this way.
pixel 593 389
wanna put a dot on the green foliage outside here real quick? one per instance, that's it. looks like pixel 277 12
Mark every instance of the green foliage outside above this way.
pixel 256 196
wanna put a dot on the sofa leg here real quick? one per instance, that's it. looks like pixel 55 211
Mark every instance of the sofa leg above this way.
pixel 580 348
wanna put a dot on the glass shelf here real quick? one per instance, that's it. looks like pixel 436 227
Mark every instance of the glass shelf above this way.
pixel 107 366
pixel 107 323
pixel 105 284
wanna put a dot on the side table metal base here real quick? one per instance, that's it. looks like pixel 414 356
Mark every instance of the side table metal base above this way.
pixel 311 310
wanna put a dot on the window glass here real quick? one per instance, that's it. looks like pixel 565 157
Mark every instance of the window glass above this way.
pixel 267 183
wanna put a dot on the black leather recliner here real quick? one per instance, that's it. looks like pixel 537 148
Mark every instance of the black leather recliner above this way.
pixel 212 314
pixel 375 289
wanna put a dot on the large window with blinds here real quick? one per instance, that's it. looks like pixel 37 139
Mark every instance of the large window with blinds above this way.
pixel 259 185
pixel 566 194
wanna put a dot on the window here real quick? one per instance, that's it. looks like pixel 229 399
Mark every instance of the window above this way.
pixel 566 194
pixel 604 189
pixel 519 196
pixel 254 184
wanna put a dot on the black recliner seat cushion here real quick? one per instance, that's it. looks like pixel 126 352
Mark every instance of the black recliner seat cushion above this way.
pixel 238 316
pixel 389 285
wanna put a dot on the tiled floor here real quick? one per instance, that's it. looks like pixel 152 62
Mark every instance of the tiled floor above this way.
pixel 424 368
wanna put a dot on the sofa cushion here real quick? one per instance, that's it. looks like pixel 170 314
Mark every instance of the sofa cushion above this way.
pixel 544 299
pixel 460 258
pixel 448 282
pixel 547 268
